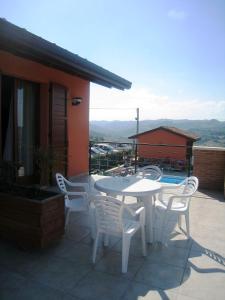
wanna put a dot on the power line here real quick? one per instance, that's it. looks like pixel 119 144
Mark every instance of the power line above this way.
pixel 114 108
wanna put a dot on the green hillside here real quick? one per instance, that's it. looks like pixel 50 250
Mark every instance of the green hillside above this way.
pixel 211 132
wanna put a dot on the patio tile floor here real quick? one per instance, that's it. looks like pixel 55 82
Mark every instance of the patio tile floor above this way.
pixel 182 270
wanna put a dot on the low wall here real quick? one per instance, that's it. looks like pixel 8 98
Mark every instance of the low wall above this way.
pixel 209 167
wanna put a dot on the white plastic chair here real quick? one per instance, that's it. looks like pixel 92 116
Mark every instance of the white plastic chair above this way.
pixel 175 201
pixel 74 200
pixel 111 220
pixel 151 172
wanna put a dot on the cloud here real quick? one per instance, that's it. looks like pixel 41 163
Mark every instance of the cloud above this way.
pixel 177 14
pixel 111 104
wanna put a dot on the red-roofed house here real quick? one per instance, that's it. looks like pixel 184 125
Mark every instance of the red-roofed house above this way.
pixel 176 143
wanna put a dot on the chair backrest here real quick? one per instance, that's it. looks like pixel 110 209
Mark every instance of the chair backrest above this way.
pixel 191 185
pixel 61 182
pixel 109 212
pixel 151 172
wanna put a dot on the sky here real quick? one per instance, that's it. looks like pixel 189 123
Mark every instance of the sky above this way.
pixel 173 51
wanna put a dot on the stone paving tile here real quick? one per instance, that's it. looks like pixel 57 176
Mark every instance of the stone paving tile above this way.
pixel 112 241
pixel 159 275
pixel 207 262
pixel 35 291
pixel 142 291
pixel 15 286
pixel 182 297
pixel 179 240
pixel 135 247
pixel 76 252
pixel 208 231
pixel 209 247
pixel 77 232
pixel 186 269
pixel 203 283
pixel 98 285
pixel 59 273
pixel 80 218
pixel 168 255
pixel 112 264
pixel 10 283
pixel 17 259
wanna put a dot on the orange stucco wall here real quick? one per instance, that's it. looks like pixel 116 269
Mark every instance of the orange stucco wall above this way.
pixel 162 137
pixel 78 116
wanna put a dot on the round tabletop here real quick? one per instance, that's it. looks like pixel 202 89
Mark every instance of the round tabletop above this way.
pixel 127 186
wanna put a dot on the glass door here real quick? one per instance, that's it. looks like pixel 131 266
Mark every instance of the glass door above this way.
pixel 19 124
pixel 26 125
pixel 7 107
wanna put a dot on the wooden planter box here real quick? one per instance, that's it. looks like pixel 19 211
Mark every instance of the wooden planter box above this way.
pixel 32 223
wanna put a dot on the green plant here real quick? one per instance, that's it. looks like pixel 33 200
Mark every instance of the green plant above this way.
pixel 8 172
pixel 48 161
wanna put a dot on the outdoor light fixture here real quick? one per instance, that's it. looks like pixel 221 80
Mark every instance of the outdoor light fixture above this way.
pixel 76 100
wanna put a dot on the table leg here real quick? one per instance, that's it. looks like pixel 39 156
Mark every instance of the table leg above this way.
pixel 149 218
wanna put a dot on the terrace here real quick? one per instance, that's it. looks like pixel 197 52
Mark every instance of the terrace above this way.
pixel 184 269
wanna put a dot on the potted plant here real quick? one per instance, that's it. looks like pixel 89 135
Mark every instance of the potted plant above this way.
pixel 31 216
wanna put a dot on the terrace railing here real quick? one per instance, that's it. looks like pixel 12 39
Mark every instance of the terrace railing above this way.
pixel 128 158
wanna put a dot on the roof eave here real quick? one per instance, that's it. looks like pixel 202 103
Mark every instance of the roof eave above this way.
pixel 167 129
pixel 27 45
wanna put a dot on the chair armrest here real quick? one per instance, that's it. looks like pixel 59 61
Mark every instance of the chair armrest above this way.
pixel 84 194
pixel 78 184
pixel 159 178
pixel 139 212
pixel 172 198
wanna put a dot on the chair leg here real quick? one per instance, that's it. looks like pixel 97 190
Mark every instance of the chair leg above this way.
pixel 179 221
pixel 162 226
pixel 143 241
pixel 106 240
pixel 187 224
pixel 138 199
pixel 67 218
pixel 92 221
pixel 125 252
pixel 95 247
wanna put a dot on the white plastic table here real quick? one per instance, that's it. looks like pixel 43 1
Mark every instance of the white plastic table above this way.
pixel 136 187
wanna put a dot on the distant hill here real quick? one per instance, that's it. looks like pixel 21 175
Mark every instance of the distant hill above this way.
pixel 211 132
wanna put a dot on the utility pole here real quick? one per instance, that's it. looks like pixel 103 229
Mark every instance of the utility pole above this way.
pixel 137 131
pixel 137 119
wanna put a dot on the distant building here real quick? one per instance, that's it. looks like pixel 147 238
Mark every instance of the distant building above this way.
pixel 167 143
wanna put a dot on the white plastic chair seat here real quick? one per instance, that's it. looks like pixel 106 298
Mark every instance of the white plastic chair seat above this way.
pixel 177 206
pixel 110 220
pixel 152 172
pixel 76 204
pixel 75 194
pixel 175 201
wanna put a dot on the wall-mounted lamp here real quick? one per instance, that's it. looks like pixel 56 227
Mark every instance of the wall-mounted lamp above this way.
pixel 76 100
